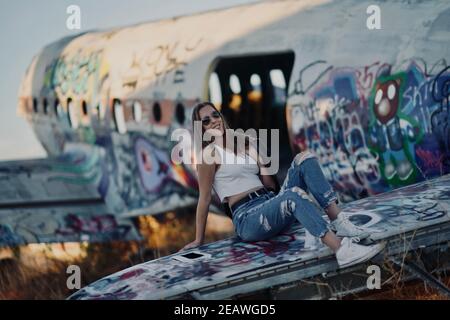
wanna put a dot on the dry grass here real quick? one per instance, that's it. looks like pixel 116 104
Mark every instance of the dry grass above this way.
pixel 397 287
pixel 22 280
pixel 413 290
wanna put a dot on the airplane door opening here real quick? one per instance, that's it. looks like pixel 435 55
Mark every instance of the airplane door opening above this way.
pixel 251 92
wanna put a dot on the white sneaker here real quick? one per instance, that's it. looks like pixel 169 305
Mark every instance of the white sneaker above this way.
pixel 344 228
pixel 350 253
pixel 311 242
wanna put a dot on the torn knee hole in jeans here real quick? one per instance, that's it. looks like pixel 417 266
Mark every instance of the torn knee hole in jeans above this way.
pixel 287 208
pixel 302 193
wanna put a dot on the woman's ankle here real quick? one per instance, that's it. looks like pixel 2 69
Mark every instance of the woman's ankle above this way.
pixel 332 241
pixel 332 211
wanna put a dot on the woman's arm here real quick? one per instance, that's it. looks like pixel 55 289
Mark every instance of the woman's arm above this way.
pixel 268 180
pixel 206 174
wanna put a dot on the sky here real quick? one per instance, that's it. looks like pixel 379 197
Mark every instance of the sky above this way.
pixel 26 26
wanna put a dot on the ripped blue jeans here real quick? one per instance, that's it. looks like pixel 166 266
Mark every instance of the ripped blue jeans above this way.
pixel 267 215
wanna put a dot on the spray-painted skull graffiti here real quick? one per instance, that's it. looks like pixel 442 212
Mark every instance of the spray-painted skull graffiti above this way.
pixel 386 100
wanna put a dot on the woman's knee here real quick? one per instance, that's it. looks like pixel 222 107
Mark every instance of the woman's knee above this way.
pixel 292 201
pixel 297 192
pixel 302 156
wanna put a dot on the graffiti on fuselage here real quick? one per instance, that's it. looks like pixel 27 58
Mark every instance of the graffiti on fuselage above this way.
pixel 373 128
pixel 141 172
pixel 79 73
pixel 137 169
pixel 154 64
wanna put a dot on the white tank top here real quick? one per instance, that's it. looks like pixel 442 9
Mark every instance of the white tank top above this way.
pixel 236 174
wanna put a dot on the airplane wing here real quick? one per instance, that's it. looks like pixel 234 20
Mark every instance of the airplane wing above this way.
pixel 409 218
pixel 58 200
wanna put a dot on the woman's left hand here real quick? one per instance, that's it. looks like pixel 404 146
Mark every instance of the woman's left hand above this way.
pixel 191 245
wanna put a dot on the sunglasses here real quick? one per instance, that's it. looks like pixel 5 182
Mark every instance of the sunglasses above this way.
pixel 207 120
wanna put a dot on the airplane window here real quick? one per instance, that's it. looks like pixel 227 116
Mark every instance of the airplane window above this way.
pixel 157 112
pixel 58 108
pixel 84 108
pixel 73 114
pixel 279 86
pixel 28 103
pixel 35 105
pixel 277 78
pixel 255 94
pixel 179 113
pixel 215 93
pixel 119 116
pixel 45 105
pixel 100 111
pixel 235 84
pixel 137 111
pixel 96 111
pixel 255 81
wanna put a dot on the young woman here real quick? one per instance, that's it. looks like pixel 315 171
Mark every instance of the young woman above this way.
pixel 258 212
